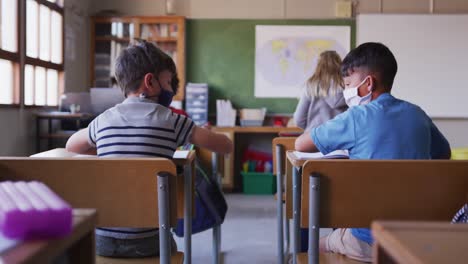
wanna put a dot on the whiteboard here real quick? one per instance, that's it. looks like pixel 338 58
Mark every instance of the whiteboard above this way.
pixel 432 56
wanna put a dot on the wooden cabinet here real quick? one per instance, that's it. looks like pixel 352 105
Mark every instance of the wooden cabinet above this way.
pixel 109 35
pixel 229 165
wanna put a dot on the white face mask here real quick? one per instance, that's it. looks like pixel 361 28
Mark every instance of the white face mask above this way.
pixel 352 97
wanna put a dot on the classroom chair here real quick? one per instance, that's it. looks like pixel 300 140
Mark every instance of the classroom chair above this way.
pixel 353 193
pixel 126 192
pixel 280 146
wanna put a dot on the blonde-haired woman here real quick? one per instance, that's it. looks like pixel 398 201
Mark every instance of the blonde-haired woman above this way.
pixel 322 98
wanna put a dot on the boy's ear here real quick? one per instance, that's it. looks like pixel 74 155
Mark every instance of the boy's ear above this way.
pixel 372 83
pixel 148 80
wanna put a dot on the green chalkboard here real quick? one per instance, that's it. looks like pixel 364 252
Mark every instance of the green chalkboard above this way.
pixel 221 52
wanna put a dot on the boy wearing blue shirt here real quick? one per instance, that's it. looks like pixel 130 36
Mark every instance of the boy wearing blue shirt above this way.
pixel 377 126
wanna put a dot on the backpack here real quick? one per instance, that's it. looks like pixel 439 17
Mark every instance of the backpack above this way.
pixel 210 205
pixel 461 216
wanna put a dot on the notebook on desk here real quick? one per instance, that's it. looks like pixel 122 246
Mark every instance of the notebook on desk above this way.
pixel 337 154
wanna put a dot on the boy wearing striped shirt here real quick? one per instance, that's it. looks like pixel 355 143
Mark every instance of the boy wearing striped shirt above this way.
pixel 141 126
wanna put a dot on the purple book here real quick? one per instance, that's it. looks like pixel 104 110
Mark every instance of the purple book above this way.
pixel 30 210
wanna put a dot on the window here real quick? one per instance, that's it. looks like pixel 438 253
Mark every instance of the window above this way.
pixel 9 55
pixel 44 52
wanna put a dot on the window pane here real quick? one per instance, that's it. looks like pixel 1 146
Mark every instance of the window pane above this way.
pixel 29 85
pixel 8 22
pixel 56 37
pixel 40 81
pixel 44 21
pixel 6 94
pixel 32 29
pixel 52 87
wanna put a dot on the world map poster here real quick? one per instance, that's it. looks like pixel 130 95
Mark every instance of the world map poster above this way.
pixel 286 56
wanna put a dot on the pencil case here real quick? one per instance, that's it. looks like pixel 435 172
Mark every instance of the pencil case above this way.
pixel 30 210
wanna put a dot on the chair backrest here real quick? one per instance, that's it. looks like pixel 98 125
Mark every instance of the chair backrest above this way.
pixel 124 191
pixel 353 193
pixel 288 144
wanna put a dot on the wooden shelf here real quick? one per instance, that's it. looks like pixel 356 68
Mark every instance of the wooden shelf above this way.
pixel 99 43
pixel 163 39
pixel 111 38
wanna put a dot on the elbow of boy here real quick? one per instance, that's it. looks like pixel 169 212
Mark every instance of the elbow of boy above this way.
pixel 70 147
pixel 298 146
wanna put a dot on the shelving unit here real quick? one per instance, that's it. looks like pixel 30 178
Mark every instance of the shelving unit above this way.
pixel 109 35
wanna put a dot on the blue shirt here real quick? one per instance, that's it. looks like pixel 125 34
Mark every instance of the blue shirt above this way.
pixel 386 128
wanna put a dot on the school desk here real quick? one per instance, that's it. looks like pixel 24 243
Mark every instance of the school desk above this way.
pixel 79 245
pixel 419 242
pixel 230 164
pixel 185 189
pixel 280 146
pixel 49 135
pixel 293 194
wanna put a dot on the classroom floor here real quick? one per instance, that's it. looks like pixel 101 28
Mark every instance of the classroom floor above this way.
pixel 248 232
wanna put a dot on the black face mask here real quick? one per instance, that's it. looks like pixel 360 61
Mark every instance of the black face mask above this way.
pixel 165 97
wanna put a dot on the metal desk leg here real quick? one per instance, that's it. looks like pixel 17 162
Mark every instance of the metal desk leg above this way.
pixel 163 207
pixel 49 140
pixel 216 229
pixel 314 196
pixel 38 135
pixel 188 173
pixel 296 213
pixel 279 204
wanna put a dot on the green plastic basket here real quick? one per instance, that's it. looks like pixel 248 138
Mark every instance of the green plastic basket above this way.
pixel 460 154
pixel 258 183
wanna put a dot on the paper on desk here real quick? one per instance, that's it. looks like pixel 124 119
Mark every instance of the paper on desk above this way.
pixel 6 243
pixel 337 154
pixel 60 153
pixel 54 153
pixel 181 154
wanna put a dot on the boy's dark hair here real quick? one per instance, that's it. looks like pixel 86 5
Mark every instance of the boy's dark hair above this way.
pixel 374 57
pixel 135 61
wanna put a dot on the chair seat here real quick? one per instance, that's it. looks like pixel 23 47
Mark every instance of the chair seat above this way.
pixel 327 258
pixel 178 258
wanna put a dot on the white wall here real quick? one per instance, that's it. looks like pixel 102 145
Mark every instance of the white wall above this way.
pixel 274 8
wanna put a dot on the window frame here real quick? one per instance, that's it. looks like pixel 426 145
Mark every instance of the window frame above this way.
pixel 37 62
pixel 15 59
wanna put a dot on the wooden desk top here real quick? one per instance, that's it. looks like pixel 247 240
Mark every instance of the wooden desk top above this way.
pixel 63 153
pixel 43 251
pixel 422 242
pixel 262 129
pixel 62 115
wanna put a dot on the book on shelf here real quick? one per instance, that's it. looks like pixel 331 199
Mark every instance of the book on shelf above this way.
pixel 174 29
pixel 164 30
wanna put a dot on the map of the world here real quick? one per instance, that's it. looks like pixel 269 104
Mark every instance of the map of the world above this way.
pixel 284 61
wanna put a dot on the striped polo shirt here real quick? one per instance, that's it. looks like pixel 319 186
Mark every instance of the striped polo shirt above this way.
pixel 137 127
